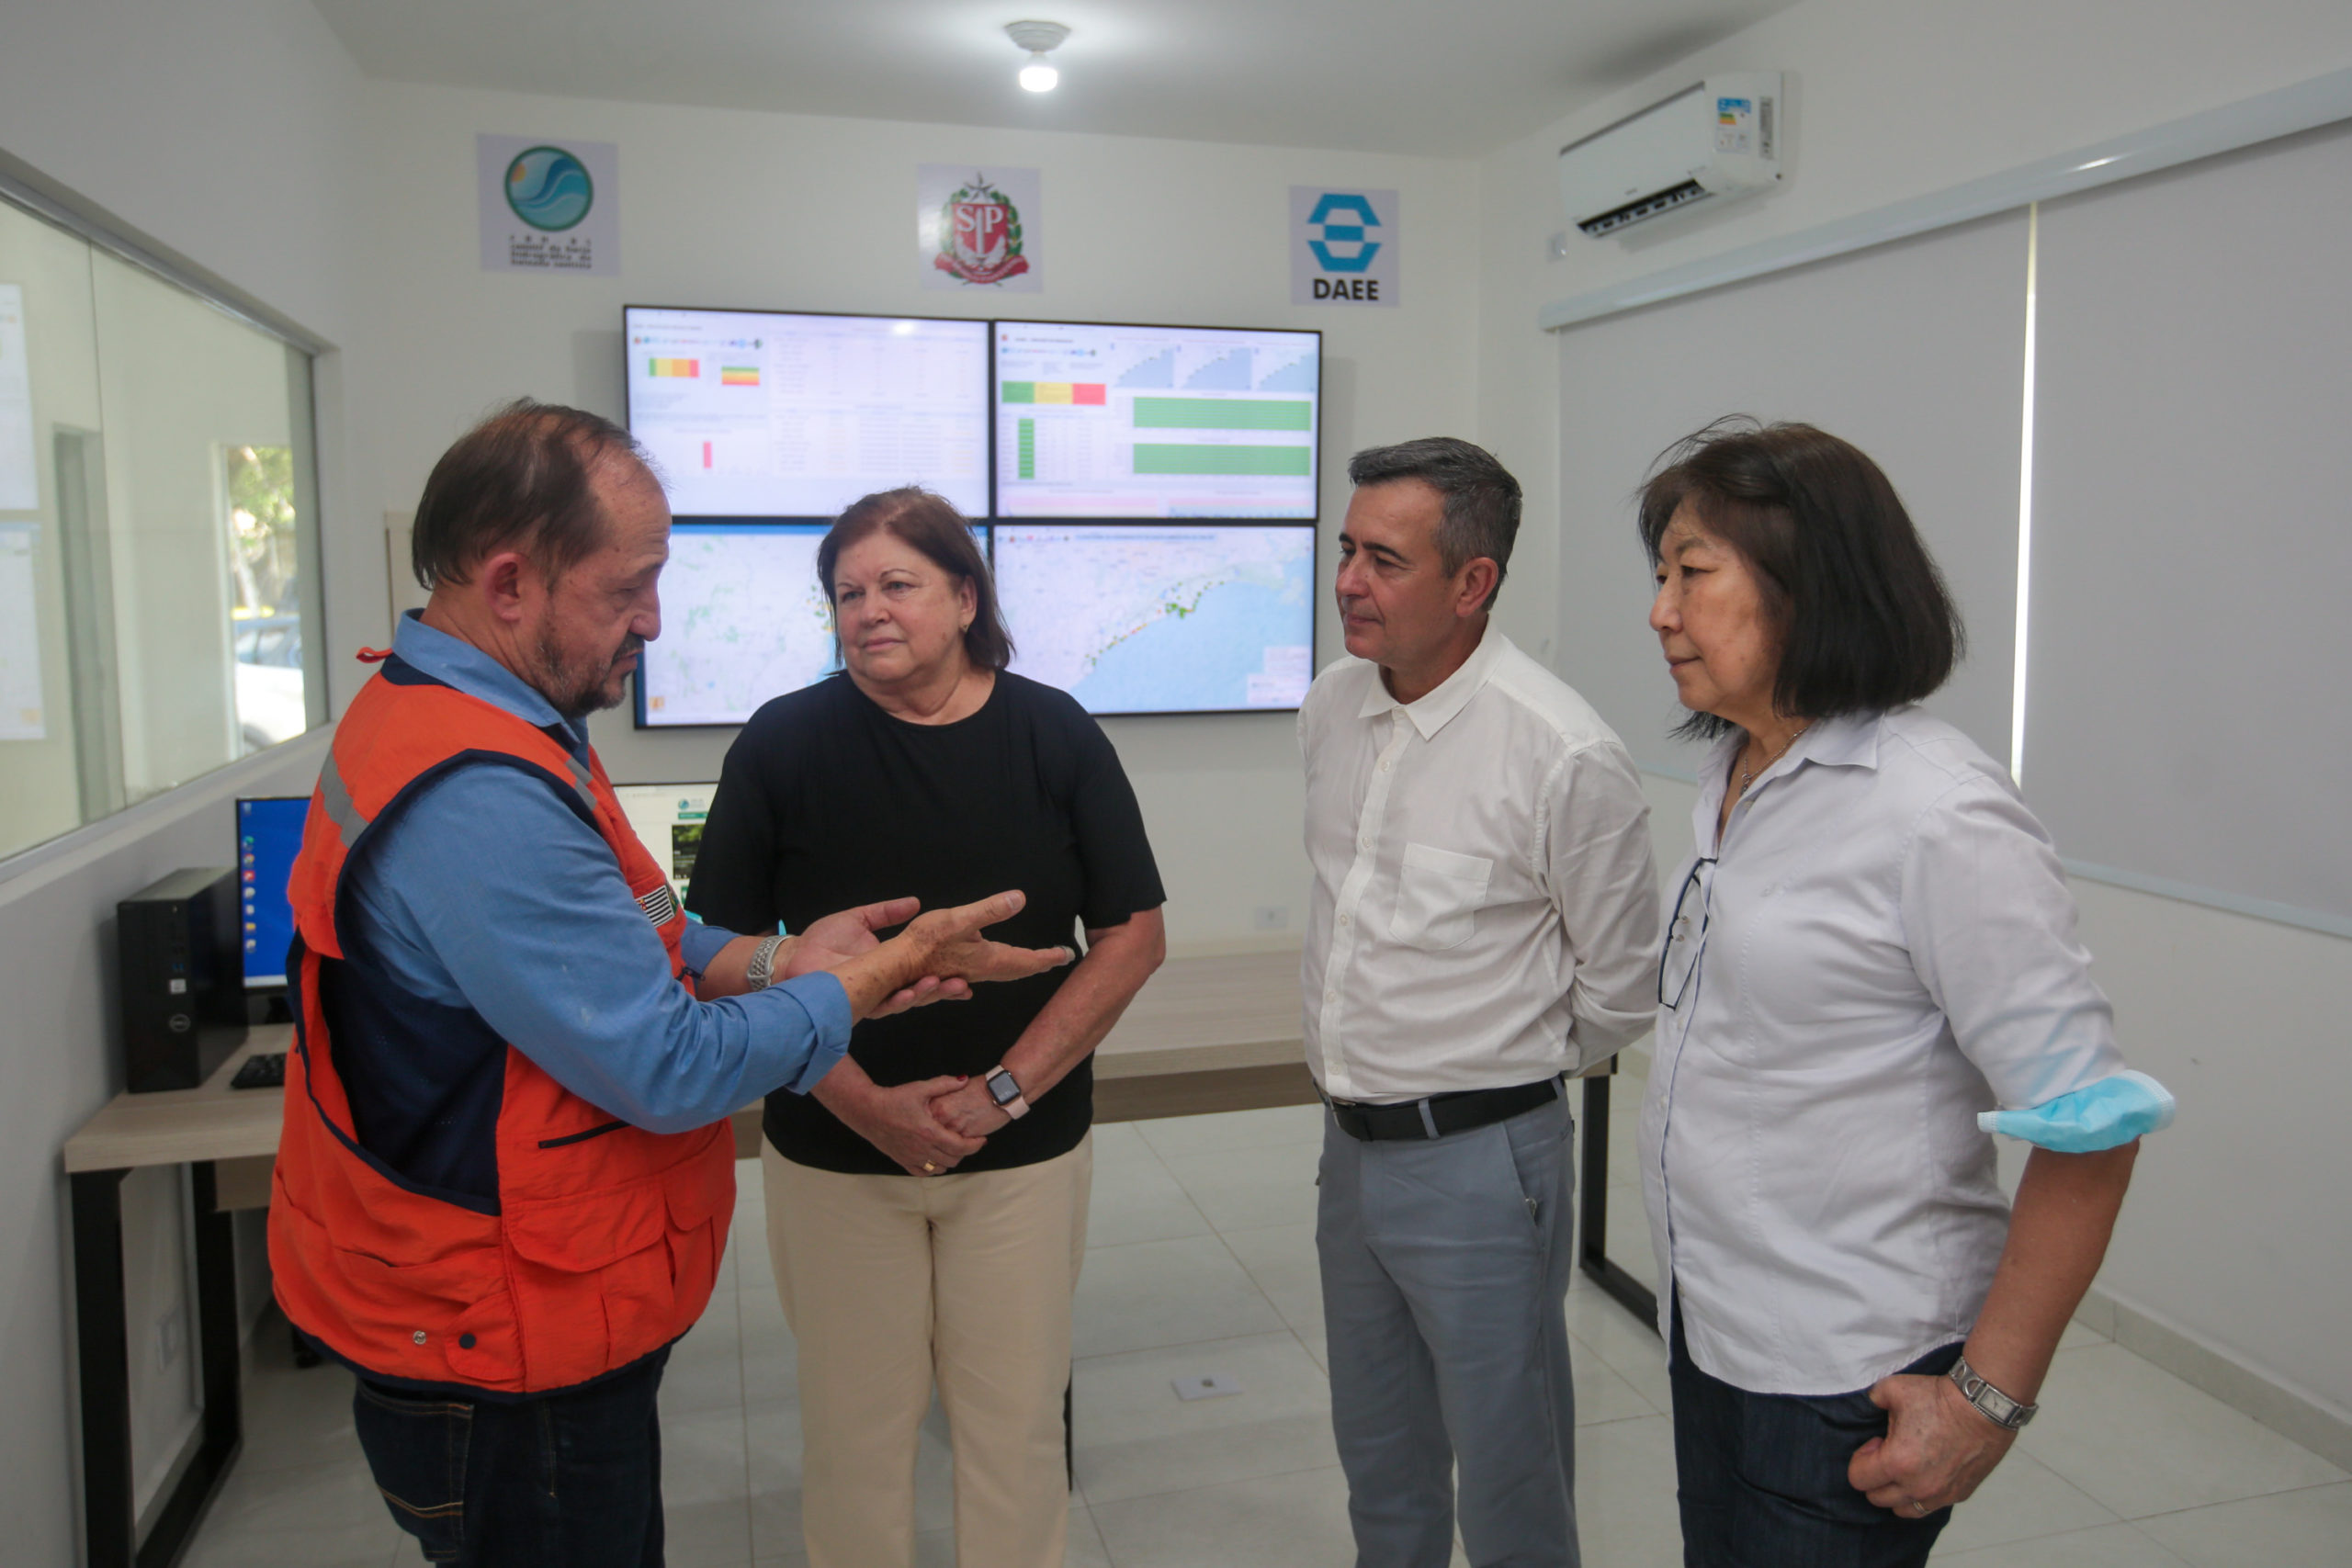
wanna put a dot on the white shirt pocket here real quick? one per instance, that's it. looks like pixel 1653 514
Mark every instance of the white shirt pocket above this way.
pixel 1438 894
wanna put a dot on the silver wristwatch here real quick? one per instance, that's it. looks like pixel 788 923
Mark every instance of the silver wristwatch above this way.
pixel 1991 1402
pixel 760 973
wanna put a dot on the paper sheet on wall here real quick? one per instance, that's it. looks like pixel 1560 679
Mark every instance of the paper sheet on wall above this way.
pixel 19 479
pixel 20 705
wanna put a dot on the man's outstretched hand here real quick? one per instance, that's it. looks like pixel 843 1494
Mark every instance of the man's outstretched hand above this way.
pixel 936 951
pixel 832 941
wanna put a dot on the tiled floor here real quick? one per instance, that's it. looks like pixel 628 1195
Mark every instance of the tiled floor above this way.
pixel 1203 1261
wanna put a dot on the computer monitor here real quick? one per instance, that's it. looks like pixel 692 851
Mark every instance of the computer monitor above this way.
pixel 1161 617
pixel 1096 421
pixel 668 818
pixel 269 835
pixel 743 619
pixel 772 413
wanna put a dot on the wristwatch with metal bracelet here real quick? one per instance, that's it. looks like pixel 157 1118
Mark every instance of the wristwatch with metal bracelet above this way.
pixel 760 973
pixel 1006 1092
pixel 1990 1401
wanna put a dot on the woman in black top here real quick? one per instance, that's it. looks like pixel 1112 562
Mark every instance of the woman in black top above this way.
pixel 927 768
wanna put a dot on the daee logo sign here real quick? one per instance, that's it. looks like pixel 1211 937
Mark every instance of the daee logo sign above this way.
pixel 1343 247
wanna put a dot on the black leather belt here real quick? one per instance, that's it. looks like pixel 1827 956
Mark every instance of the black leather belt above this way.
pixel 1441 1114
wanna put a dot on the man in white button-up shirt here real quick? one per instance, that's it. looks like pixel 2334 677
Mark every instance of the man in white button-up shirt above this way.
pixel 1483 919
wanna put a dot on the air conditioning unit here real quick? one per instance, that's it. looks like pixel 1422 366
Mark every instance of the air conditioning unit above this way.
pixel 1716 140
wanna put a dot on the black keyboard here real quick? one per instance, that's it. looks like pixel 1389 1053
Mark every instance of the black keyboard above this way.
pixel 263 1069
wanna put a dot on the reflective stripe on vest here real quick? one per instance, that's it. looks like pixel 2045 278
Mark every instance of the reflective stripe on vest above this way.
pixel 606 1238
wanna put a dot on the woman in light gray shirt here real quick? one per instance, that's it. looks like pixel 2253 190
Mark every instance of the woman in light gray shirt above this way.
pixel 1873 947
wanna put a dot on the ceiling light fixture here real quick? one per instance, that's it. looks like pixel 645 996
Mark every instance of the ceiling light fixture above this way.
pixel 1040 38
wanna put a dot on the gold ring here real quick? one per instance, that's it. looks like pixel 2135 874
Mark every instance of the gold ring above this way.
pixel 929 1168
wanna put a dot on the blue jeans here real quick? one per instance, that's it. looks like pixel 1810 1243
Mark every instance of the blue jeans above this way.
pixel 1762 1476
pixel 565 1479
pixel 1445 1265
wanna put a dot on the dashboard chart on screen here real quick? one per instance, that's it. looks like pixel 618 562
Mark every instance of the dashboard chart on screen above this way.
pixel 766 414
pixel 743 620
pixel 1098 420
pixel 1135 618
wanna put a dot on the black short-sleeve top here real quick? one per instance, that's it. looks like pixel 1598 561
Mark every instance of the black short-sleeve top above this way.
pixel 826 802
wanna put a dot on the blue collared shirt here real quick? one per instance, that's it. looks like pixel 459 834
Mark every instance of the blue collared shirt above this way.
pixel 487 892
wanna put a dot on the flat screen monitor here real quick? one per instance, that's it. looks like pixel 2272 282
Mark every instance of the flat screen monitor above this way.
pixel 1161 617
pixel 743 619
pixel 269 835
pixel 668 818
pixel 769 413
pixel 1096 421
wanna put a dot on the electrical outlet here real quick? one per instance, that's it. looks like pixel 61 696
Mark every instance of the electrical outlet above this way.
pixel 1270 918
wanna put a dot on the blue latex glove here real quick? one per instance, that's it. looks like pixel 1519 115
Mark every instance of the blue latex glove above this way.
pixel 2103 1115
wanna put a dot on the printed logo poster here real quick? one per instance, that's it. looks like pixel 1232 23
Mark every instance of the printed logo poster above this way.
pixel 549 206
pixel 976 227
pixel 19 476
pixel 1343 247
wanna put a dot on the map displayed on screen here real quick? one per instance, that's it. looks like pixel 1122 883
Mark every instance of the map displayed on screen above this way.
pixel 743 620
pixel 1154 422
pixel 761 414
pixel 1152 618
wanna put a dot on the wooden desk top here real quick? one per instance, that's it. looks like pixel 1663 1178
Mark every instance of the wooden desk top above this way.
pixel 175 1125
pixel 1199 1014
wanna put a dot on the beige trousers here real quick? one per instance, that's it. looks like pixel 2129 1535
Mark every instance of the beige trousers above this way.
pixel 891 1283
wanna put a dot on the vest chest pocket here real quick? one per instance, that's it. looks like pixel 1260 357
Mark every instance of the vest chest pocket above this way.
pixel 1438 894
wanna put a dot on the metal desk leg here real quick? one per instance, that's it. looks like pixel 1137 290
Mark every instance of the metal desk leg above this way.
pixel 110 1522
pixel 1592 1251
pixel 105 1355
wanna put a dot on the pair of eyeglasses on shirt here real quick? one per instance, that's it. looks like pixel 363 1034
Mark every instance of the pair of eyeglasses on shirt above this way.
pixel 1686 934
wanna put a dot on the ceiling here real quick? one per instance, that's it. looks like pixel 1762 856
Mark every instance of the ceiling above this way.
pixel 1381 75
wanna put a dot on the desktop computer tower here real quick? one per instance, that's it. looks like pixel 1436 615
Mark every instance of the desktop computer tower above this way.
pixel 183 967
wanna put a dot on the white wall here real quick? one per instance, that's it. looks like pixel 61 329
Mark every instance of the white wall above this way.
pixel 1886 100
pixel 222 128
pixel 725 207
pixel 2236 1236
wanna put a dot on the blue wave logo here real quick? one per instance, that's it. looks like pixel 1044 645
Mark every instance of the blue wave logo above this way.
pixel 549 190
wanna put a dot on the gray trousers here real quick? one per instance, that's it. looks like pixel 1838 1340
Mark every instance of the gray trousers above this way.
pixel 1445 1265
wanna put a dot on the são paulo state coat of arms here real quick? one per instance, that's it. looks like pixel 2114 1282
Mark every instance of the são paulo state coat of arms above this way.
pixel 979 234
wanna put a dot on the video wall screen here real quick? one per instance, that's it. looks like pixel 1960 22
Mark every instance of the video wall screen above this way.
pixel 1140 618
pixel 767 414
pixel 1146 496
pixel 1099 421
pixel 743 620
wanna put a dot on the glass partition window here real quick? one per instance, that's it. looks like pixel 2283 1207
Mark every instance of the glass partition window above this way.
pixel 266 591
pixel 158 534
